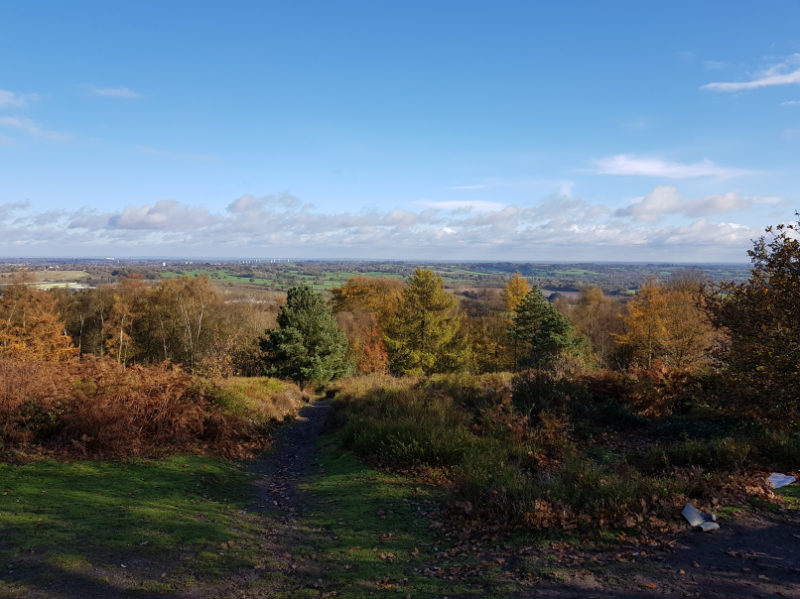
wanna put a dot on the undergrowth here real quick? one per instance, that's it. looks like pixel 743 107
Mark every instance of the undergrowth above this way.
pixel 258 399
pixel 94 406
pixel 546 451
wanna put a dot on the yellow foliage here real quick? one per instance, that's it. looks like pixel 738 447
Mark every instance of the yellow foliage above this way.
pixel 666 325
pixel 30 329
pixel 515 290
pixel 378 295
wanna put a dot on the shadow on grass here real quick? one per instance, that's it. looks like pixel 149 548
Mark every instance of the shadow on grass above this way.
pixel 132 525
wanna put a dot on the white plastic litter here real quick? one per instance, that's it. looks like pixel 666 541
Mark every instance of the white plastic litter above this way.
pixel 698 519
pixel 778 480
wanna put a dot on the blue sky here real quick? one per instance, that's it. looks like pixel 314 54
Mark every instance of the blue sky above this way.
pixel 634 131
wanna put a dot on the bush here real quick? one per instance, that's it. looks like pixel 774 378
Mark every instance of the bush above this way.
pixel 95 406
pixel 541 393
pixel 406 427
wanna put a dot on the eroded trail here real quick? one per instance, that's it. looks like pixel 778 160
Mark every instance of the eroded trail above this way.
pixel 291 459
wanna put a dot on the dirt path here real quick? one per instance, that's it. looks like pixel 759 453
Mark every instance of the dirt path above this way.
pixel 293 455
pixel 754 555
pixel 280 505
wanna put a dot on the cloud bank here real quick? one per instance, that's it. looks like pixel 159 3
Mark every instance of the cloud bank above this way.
pixel 666 200
pixel 557 228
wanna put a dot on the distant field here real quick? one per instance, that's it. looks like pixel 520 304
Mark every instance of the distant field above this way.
pixel 615 279
pixel 55 276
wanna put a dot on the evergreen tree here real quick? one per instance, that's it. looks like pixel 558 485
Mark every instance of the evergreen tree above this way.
pixel 426 334
pixel 540 332
pixel 308 347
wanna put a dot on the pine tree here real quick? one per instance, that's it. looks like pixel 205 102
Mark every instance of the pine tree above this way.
pixel 426 334
pixel 308 347
pixel 541 333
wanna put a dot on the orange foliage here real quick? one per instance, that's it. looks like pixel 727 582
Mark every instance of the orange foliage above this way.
pixel 666 325
pixel 378 295
pixel 96 406
pixel 374 358
pixel 515 290
pixel 30 329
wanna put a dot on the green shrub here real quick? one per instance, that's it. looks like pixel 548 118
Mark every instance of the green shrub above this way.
pixel 407 427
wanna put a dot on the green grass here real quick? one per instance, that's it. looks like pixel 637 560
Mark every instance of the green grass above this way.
pixel 75 525
pixel 166 516
pixel 349 497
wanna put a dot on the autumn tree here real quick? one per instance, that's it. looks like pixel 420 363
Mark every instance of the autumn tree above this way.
pixel 308 346
pixel 541 332
pixel 30 328
pixel 597 318
pixel 515 291
pixel 425 335
pixel 363 306
pixel 487 320
pixel 666 325
pixel 763 319
pixel 129 304
pixel 377 295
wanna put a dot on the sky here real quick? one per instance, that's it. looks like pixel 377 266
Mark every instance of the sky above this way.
pixel 437 130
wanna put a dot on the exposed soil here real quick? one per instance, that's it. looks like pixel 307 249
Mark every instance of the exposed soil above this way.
pixel 754 555
pixel 293 454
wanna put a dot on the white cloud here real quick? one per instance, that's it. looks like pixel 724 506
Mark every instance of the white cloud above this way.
pixel 714 65
pixel 626 164
pixel 10 99
pixel 5 140
pixel 32 128
pixel 666 199
pixel 791 103
pixel 165 215
pixel 779 74
pixel 116 92
pixel 477 205
pixel 558 228
pixel 156 152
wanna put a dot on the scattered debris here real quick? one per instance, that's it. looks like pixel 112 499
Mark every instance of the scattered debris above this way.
pixel 700 520
pixel 777 480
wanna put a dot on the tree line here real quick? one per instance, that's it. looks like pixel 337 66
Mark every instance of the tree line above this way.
pixel 748 330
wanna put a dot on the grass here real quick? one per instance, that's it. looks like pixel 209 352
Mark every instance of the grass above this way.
pixel 73 526
pixel 366 554
pixel 259 399
pixel 170 516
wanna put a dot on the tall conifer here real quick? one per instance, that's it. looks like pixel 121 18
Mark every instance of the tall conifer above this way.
pixel 426 334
